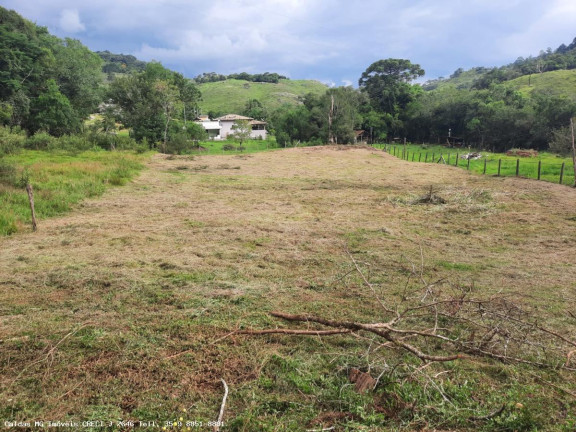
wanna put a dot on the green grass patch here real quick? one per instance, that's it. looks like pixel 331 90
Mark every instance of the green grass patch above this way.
pixel 233 148
pixel 557 83
pixel 60 181
pixel 550 163
pixel 455 266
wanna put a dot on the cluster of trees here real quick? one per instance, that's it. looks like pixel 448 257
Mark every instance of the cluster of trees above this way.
pixel 49 87
pixel 496 118
pixel 46 83
pixel 120 63
pixel 484 111
pixel 265 77
pixel 380 107
pixel 159 105
pixel 480 108
pixel 330 118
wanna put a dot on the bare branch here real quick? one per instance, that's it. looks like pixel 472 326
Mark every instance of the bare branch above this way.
pixel 221 415
pixel 295 332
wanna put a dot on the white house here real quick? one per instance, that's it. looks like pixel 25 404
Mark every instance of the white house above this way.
pixel 212 127
pixel 229 120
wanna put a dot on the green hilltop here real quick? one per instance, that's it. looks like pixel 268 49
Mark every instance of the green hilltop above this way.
pixel 230 96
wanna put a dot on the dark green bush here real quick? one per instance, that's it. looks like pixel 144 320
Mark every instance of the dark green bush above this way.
pixel 71 143
pixel 39 141
pixel 11 141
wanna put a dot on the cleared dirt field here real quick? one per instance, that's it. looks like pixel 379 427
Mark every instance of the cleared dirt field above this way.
pixel 120 309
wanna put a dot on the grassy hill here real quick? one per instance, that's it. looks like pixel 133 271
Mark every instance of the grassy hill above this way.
pixel 461 80
pixel 558 83
pixel 230 96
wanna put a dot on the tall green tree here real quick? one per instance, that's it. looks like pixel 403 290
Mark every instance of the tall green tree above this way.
pixel 52 112
pixel 255 109
pixel 387 84
pixel 79 76
pixel 341 108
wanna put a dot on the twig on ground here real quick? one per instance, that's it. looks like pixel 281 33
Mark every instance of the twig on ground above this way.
pixel 489 416
pixel 222 407
pixel 321 430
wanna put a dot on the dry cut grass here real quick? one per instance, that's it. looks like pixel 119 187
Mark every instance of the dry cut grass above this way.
pixel 119 310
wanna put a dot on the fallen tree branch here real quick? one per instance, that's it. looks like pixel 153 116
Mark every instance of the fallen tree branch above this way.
pixel 222 406
pixel 295 332
pixel 373 328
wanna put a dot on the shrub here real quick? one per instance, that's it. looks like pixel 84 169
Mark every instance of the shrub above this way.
pixel 178 144
pixel 39 141
pixel 228 147
pixel 124 142
pixel 561 141
pixel 71 143
pixel 11 142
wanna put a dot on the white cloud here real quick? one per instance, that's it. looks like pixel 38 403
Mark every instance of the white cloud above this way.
pixel 331 39
pixel 70 21
pixel 554 27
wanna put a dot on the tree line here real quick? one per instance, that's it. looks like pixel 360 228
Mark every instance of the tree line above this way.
pixel 483 112
pixel 51 86
pixel 266 77
pixel 46 83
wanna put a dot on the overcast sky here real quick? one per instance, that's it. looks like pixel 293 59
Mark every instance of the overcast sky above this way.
pixel 333 41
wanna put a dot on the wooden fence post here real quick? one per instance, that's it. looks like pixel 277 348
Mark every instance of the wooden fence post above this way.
pixel 31 199
pixel 499 165
pixel 448 160
pixel 573 150
pixel 539 168
pixel 517 167
pixel 420 157
pixel 485 160
pixel 468 165
pixel 413 156
pixel 456 164
pixel 562 172
pixel 426 157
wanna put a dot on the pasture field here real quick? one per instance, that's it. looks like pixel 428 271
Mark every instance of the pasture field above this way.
pixel 132 306
pixel 551 164
pixel 60 180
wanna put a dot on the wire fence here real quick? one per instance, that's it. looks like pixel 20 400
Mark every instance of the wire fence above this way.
pixel 495 165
